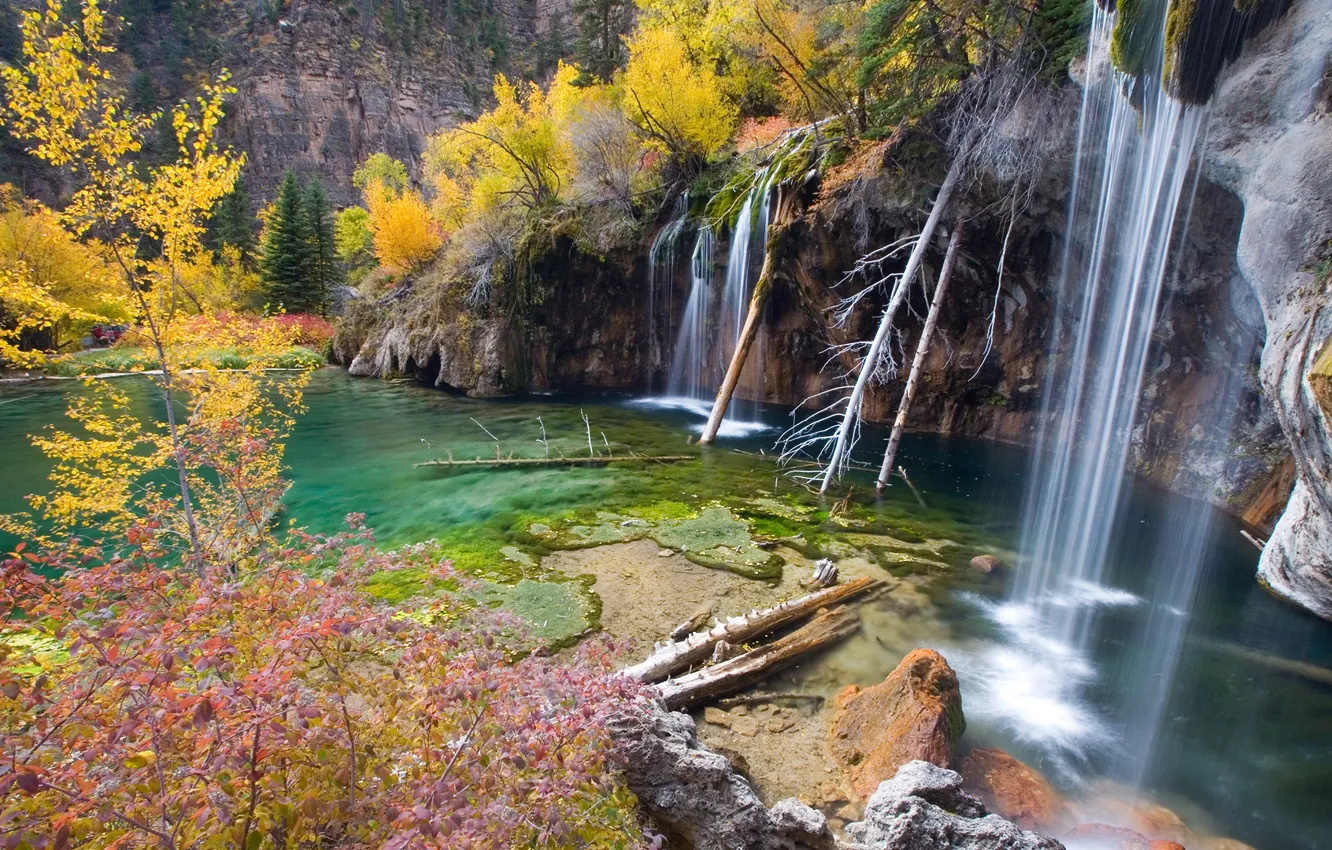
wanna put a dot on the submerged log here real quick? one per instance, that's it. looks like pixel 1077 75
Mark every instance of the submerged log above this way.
pixel 743 670
pixel 674 657
pixel 506 462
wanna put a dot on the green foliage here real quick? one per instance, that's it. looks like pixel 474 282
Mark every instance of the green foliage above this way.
pixel 1060 27
pixel 325 273
pixel 384 170
pixel 100 362
pixel 910 58
pixel 299 253
pixel 355 242
pixel 233 224
pixel 601 27
pixel 286 247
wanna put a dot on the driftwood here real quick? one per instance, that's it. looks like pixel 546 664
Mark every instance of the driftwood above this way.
pixel 743 670
pixel 769 696
pixel 695 622
pixel 508 462
pixel 674 657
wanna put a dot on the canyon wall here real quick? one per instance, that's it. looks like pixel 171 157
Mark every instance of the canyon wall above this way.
pixel 1270 143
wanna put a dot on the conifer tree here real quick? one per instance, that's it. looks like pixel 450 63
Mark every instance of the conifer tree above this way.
pixel 233 224
pixel 287 239
pixel 324 273
pixel 602 25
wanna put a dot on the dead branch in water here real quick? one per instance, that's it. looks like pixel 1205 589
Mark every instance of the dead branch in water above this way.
pixel 509 462
pixel 674 657
pixel 743 670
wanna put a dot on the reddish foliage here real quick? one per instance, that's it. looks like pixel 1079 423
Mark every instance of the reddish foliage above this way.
pixel 308 329
pixel 757 132
pixel 285 708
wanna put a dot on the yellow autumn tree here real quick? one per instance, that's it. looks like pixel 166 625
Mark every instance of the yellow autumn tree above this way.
pixel 677 101
pixel 63 104
pixel 404 235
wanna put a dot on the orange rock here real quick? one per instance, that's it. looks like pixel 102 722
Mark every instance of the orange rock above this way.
pixel 915 713
pixel 1165 845
pixel 1011 789
pixel 1105 837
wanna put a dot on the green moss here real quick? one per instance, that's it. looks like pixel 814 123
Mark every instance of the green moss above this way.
pixel 396 586
pixel 1133 36
pixel 557 612
pixel 665 509
pixel 717 539
pixel 41 653
pixel 1179 19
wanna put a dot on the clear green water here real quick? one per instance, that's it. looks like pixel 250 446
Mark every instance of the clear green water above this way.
pixel 1247 743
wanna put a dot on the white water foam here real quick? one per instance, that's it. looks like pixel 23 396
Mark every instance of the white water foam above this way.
pixel 702 409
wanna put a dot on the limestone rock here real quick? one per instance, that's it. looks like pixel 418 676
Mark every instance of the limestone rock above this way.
pixel 914 714
pixel 696 795
pixel 1269 143
pixel 1011 789
pixel 717 717
pixel 923 807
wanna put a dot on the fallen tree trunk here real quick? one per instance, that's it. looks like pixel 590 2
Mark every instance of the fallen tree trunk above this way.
pixel 922 350
pixel 743 670
pixel 674 657
pixel 871 361
pixel 501 463
pixel 776 239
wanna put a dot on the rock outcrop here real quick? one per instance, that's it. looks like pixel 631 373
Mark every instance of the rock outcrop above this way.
pixel 697 798
pixel 923 807
pixel 914 714
pixel 1011 789
pixel 1270 142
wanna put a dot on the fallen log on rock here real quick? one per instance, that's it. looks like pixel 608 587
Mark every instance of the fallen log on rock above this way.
pixel 743 670
pixel 674 657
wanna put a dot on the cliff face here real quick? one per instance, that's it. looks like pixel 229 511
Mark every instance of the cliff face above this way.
pixel 1270 143
pixel 328 84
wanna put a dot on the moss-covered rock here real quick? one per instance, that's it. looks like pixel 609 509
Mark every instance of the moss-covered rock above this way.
pixel 716 538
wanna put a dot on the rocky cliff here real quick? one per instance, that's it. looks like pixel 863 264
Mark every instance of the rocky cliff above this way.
pixel 1270 142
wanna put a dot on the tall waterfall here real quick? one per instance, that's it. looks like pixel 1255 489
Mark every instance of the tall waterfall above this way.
pixel 1132 187
pixel 691 346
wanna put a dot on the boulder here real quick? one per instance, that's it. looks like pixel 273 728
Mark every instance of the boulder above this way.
pixel 988 564
pixel 1011 789
pixel 914 714
pixel 697 797
pixel 923 807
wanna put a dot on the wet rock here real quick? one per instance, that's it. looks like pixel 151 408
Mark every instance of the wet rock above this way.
pixel 923 807
pixel 1100 836
pixel 914 714
pixel 717 717
pixel 988 564
pixel 697 795
pixel 1011 789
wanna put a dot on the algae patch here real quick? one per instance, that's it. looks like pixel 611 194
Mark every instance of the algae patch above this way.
pixel 716 538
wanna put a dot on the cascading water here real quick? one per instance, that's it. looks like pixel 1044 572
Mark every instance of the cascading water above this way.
pixel 691 345
pixel 712 321
pixel 662 258
pixel 1131 183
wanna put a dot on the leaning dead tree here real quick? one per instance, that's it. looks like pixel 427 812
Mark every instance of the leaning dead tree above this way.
pixel 851 416
pixel 776 242
pixel 922 351
pixel 998 132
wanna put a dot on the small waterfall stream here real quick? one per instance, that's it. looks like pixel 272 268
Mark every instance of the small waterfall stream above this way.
pixel 712 320
pixel 662 260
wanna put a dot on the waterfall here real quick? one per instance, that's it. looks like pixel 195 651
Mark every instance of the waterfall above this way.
pixel 712 321
pixel 691 345
pixel 1131 187
pixel 662 257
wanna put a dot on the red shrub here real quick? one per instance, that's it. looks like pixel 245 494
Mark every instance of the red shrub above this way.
pixel 285 708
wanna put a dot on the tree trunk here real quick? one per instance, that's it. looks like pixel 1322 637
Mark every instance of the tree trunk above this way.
pixel 922 349
pixel 671 658
pixel 776 240
pixel 889 314
pixel 743 670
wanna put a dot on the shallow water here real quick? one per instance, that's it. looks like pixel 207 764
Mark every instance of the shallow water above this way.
pixel 1246 749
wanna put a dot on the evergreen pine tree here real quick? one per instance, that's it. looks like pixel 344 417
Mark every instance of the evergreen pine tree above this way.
pixel 233 224
pixel 287 239
pixel 324 272
pixel 602 24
